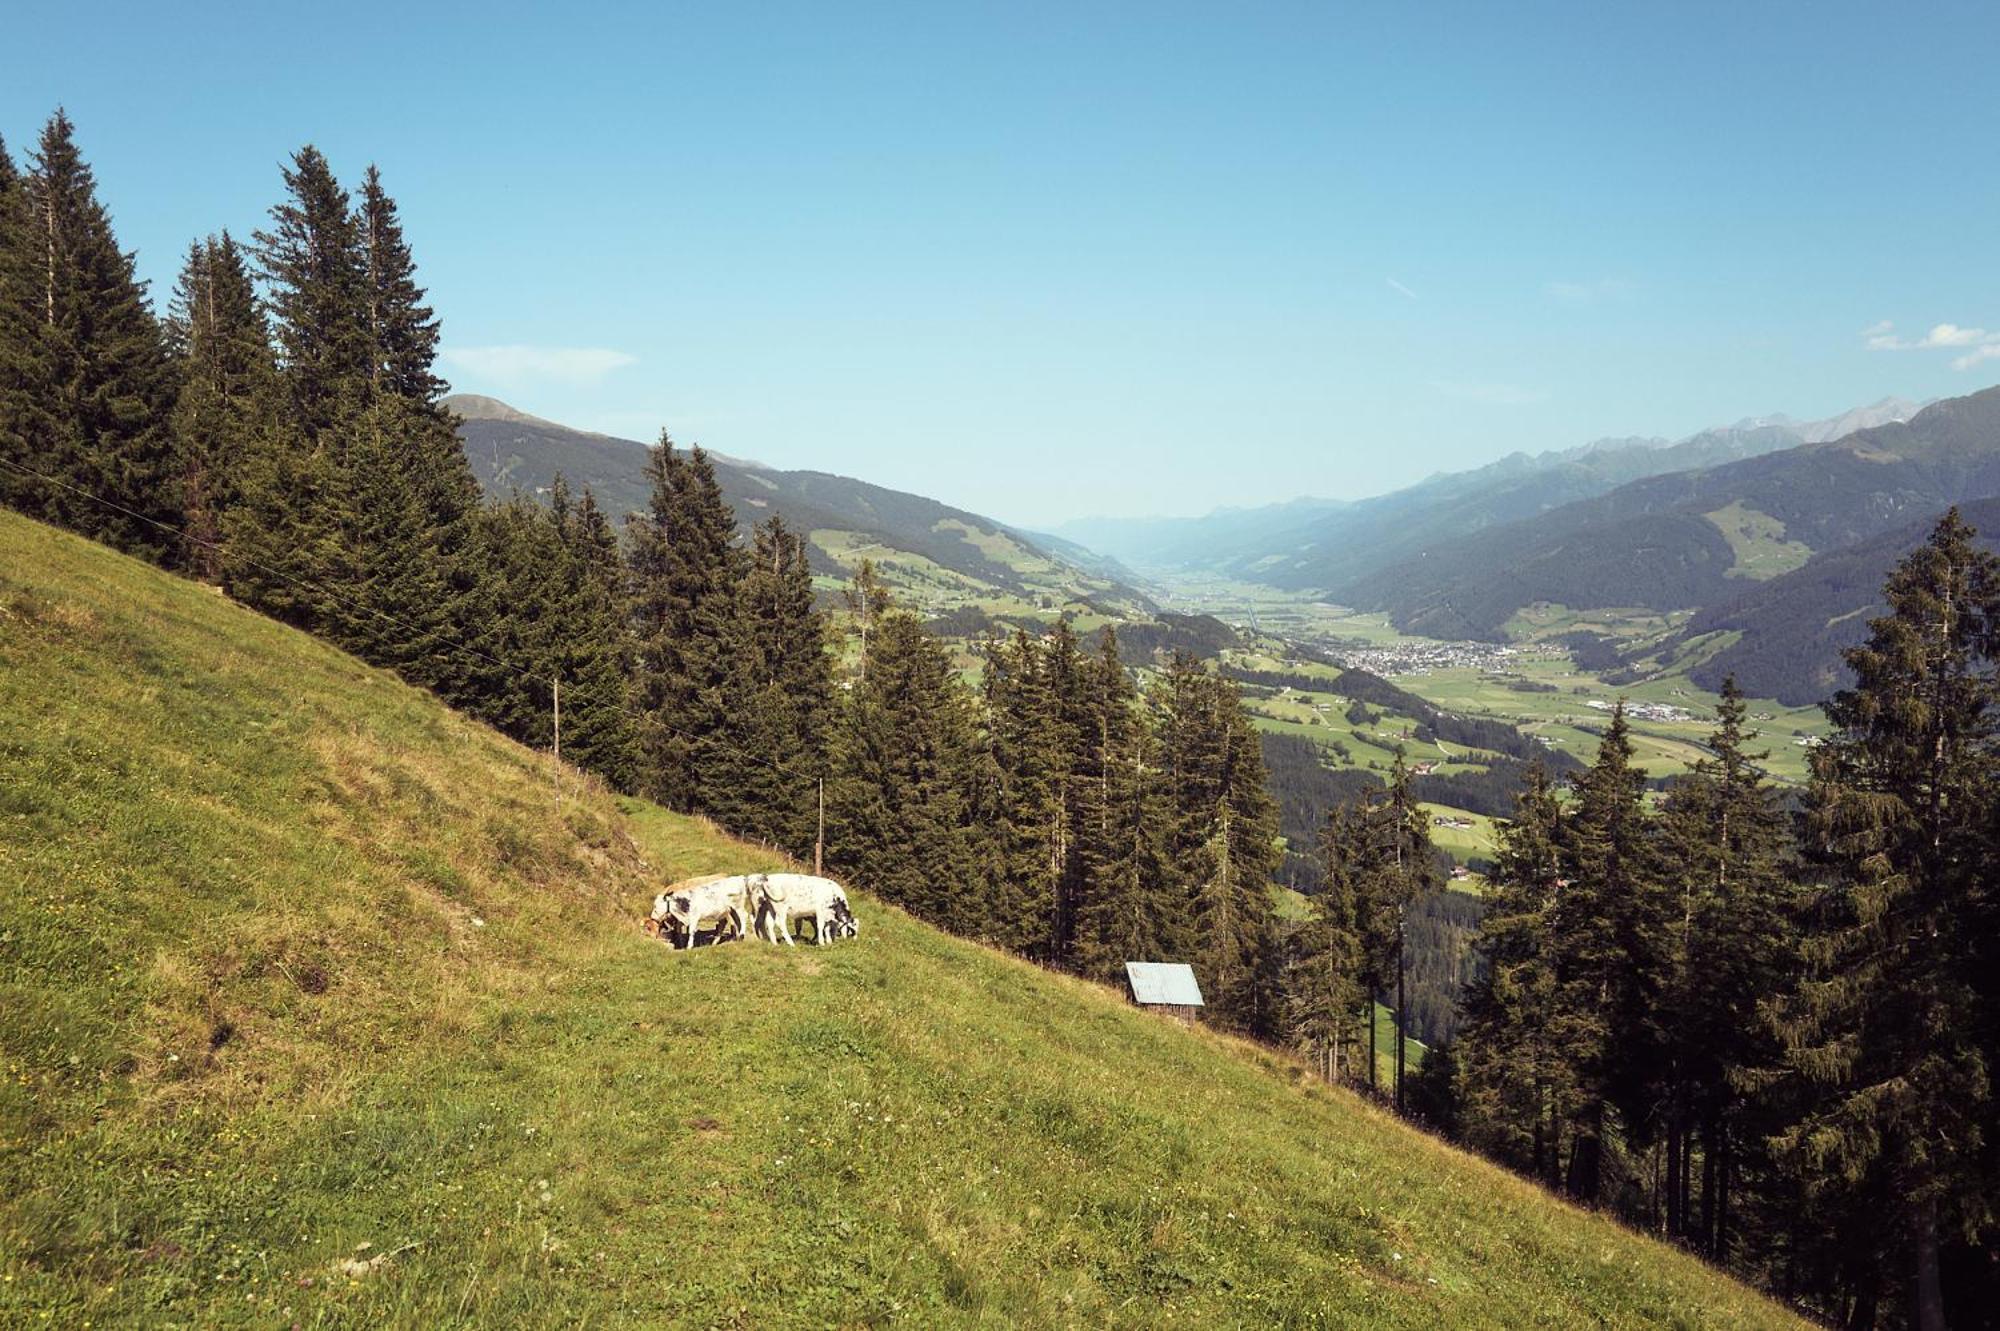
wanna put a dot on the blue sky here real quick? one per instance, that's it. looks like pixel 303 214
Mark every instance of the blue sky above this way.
pixel 1047 260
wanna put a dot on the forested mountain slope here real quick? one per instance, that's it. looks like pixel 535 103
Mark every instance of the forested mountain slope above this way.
pixel 1378 533
pixel 938 555
pixel 1319 543
pixel 1790 631
pixel 302 968
pixel 1691 538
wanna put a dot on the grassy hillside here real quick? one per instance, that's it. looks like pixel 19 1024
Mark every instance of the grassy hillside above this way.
pixel 293 960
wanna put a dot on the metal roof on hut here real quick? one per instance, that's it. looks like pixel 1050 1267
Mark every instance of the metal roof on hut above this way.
pixel 1163 984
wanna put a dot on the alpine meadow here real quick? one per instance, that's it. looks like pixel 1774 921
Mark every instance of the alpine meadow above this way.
pixel 1241 819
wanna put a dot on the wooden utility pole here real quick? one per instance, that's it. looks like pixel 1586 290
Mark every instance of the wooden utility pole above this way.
pixel 819 841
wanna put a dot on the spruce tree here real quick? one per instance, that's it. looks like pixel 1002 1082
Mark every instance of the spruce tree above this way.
pixel 683 571
pixel 1605 943
pixel 1325 991
pixel 225 406
pixel 1729 899
pixel 1033 740
pixel 296 521
pixel 1887 1030
pixel 867 599
pixel 1129 905
pixel 403 391
pixel 402 331
pixel 1408 869
pixel 315 267
pixel 592 658
pixel 768 773
pixel 904 807
pixel 391 563
pixel 1224 840
pixel 25 392
pixel 1514 1072
pixel 99 370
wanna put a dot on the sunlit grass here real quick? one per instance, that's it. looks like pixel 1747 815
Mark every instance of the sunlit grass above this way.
pixel 293 960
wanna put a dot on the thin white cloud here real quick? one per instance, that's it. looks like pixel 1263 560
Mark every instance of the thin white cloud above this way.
pixel 1882 337
pixel 1951 335
pixel 510 365
pixel 1588 293
pixel 1492 395
pixel 1991 351
pixel 1394 285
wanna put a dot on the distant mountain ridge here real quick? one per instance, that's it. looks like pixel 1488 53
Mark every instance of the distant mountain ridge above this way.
pixel 936 556
pixel 1319 543
pixel 1690 539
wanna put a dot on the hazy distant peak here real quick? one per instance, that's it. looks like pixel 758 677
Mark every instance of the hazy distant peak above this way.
pixel 1776 419
pixel 479 407
pixel 1887 411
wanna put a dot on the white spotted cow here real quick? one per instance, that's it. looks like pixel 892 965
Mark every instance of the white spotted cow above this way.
pixel 780 898
pixel 696 901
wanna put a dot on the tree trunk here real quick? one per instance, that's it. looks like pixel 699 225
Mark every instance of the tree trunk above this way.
pixel 1540 1148
pixel 1724 1160
pixel 1674 1218
pixel 1372 1088
pixel 1400 1041
pixel 1587 1156
pixel 1708 1185
pixel 1927 1296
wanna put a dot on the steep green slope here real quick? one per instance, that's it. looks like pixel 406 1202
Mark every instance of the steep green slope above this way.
pixel 293 960
pixel 1783 639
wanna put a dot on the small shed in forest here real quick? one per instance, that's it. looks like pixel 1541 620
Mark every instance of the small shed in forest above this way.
pixel 1164 986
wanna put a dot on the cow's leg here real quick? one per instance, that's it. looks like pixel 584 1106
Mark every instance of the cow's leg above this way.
pixel 819 929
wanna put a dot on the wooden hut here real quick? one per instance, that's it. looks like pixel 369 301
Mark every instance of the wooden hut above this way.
pixel 1164 986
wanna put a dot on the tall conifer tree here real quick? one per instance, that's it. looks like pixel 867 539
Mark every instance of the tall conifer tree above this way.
pixel 314 264
pixel 1325 991
pixel 99 370
pixel 1224 839
pixel 1603 944
pixel 225 406
pixel 684 572
pixel 1515 1072
pixel 1129 906
pixel 24 375
pixel 905 807
pixel 402 330
pixel 1729 903
pixel 1035 734
pixel 1887 1029
pixel 769 771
